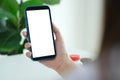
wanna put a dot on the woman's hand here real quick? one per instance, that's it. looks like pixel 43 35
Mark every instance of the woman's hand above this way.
pixel 62 63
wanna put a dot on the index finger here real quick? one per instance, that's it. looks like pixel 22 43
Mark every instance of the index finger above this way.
pixel 24 34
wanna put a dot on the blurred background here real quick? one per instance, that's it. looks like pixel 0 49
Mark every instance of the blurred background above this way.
pixel 81 24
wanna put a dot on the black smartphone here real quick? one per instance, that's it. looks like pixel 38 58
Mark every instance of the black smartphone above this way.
pixel 40 32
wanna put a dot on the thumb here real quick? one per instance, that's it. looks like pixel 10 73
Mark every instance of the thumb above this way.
pixel 57 33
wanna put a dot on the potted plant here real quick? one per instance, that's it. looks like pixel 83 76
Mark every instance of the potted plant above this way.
pixel 12 22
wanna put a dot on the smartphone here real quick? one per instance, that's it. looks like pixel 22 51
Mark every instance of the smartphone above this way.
pixel 40 32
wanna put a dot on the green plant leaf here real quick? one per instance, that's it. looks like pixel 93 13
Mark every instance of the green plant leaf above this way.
pixel 9 9
pixel 2 25
pixel 7 24
pixel 9 41
pixel 51 2
pixel 4 13
pixel 8 15
pixel 9 38
pixel 9 5
pixel 29 3
pixel 22 22
pixel 11 26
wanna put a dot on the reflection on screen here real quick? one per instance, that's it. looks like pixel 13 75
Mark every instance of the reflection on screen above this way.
pixel 40 33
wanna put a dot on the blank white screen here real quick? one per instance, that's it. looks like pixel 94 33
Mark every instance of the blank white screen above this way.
pixel 40 33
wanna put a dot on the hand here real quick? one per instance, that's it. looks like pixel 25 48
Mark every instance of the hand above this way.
pixel 62 62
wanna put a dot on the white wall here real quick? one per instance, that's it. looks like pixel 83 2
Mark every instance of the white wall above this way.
pixel 80 22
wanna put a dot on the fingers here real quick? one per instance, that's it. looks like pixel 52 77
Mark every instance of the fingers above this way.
pixel 27 45
pixel 24 34
pixel 28 54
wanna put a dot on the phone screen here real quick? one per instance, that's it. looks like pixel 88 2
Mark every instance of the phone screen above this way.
pixel 40 33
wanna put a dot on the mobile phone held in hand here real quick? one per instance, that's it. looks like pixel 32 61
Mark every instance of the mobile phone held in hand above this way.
pixel 40 32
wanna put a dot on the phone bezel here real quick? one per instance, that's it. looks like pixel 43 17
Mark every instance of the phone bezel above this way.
pixel 29 39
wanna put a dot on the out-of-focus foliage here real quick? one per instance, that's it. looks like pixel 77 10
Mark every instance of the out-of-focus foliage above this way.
pixel 12 22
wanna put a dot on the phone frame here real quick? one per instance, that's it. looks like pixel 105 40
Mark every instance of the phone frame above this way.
pixel 28 34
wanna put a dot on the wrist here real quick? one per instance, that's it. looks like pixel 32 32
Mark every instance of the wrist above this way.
pixel 66 66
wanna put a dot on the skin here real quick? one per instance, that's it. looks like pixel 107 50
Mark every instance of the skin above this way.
pixel 62 63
